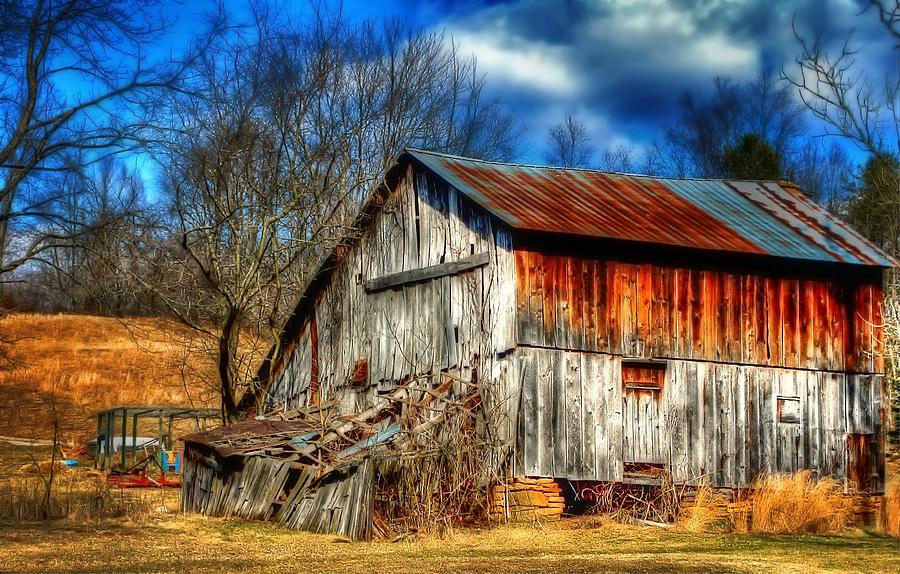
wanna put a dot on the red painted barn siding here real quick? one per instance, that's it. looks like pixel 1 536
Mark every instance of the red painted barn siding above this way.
pixel 576 303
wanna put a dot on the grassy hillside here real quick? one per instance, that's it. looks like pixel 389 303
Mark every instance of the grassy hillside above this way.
pixel 76 365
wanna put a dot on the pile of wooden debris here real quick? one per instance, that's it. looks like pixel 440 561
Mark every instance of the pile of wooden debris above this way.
pixel 352 475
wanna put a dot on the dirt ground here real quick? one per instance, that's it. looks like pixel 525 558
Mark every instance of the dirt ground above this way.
pixel 173 543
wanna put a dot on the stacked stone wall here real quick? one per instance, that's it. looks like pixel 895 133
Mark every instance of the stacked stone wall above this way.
pixel 526 500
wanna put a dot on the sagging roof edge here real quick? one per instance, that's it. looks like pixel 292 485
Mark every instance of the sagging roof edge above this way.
pixel 373 204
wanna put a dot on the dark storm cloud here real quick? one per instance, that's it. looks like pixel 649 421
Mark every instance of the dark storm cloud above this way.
pixel 623 65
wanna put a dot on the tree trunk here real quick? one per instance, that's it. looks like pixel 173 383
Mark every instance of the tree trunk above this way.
pixel 227 345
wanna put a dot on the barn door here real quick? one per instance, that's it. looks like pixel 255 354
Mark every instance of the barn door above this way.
pixel 642 413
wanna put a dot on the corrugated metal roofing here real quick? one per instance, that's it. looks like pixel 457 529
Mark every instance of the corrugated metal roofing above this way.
pixel 763 218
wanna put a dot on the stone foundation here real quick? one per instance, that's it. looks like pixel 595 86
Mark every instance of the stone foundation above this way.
pixel 526 500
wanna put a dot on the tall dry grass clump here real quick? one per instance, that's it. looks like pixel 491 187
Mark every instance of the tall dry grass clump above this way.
pixel 713 511
pixel 798 504
pixel 888 516
pixel 73 498
pixel 704 513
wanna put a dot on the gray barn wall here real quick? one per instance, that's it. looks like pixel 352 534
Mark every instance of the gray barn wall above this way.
pixel 712 420
pixel 456 323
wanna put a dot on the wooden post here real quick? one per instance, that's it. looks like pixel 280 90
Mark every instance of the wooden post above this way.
pixel 108 432
pixel 134 429
pixel 124 434
pixel 162 445
pixel 97 439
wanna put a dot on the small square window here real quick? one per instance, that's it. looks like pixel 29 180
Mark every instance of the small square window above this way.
pixel 789 410
pixel 643 375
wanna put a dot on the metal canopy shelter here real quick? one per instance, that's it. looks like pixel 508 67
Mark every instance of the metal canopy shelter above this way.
pixel 108 422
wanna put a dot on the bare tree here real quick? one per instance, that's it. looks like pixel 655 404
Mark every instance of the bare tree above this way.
pixel 864 109
pixel 707 126
pixel 844 96
pixel 620 158
pixel 824 171
pixel 288 127
pixel 75 84
pixel 627 159
pixel 568 144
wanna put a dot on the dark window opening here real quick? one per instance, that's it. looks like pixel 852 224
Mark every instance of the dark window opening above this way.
pixel 642 376
pixel 789 410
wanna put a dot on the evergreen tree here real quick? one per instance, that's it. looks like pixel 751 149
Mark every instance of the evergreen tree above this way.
pixel 752 158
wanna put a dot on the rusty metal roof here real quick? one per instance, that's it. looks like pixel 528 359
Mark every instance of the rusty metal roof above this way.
pixel 762 218
pixel 248 435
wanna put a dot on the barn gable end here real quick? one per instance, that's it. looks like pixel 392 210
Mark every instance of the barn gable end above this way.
pixel 427 286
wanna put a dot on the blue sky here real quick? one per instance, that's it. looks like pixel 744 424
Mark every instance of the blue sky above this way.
pixel 620 65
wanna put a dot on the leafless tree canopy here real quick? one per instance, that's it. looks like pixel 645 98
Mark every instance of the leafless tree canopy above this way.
pixel 707 126
pixel 569 144
pixel 268 134
pixel 838 91
pixel 75 85
pixel 825 171
pixel 285 130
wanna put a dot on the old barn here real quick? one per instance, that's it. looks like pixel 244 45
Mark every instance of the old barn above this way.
pixel 625 324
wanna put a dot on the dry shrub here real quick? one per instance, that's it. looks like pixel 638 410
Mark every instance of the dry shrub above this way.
pixel 439 481
pixel 625 503
pixel 73 498
pixel 888 516
pixel 706 513
pixel 740 512
pixel 440 477
pixel 797 504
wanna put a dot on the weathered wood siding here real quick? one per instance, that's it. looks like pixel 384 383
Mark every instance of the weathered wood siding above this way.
pixel 457 322
pixel 713 420
pixel 548 332
pixel 592 304
pixel 262 488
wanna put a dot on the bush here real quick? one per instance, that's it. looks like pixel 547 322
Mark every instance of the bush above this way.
pixel 798 504
pixel 889 514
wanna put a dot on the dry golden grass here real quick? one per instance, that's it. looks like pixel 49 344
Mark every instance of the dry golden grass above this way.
pixel 706 512
pixel 783 504
pixel 79 364
pixel 167 543
pixel 797 504
pixel 888 516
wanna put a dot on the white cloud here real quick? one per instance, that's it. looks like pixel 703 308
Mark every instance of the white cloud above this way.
pixel 529 65
pixel 668 37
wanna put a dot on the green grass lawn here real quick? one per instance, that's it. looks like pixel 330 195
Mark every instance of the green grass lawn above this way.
pixel 172 543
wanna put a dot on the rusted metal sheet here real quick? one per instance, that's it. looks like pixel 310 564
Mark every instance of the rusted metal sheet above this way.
pixel 652 310
pixel 761 218
pixel 248 435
